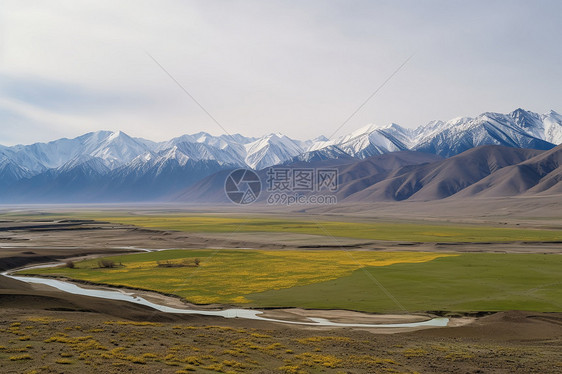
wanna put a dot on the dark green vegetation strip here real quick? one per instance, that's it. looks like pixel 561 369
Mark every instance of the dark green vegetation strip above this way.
pixel 466 283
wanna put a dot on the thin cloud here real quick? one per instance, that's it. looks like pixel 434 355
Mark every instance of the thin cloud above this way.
pixel 278 66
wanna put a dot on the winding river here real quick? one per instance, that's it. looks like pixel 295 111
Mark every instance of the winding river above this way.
pixel 121 295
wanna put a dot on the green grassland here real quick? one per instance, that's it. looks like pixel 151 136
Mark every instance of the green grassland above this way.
pixel 466 283
pixel 392 231
pixel 386 231
pixel 342 280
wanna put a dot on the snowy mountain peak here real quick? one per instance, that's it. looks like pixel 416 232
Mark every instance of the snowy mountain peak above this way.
pixel 525 119
pixel 117 150
pixel 175 154
pixel 365 130
pixel 202 137
pixel 116 135
pixel 271 150
pixel 554 114
pixel 274 135
pixel 84 164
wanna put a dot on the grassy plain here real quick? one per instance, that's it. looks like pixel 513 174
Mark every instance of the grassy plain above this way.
pixel 386 231
pixel 470 282
pixel 392 231
pixel 418 281
pixel 228 276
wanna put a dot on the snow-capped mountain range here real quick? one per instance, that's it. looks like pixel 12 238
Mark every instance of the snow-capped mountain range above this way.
pixel 115 157
pixel 519 128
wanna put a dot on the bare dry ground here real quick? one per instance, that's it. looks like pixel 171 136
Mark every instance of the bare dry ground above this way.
pixel 48 340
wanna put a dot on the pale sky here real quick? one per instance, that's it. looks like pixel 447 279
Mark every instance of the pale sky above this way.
pixel 295 67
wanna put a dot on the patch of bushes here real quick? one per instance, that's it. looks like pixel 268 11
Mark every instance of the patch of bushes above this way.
pixel 108 264
pixel 179 264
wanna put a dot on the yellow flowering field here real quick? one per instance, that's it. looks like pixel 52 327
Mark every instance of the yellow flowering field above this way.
pixel 231 276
